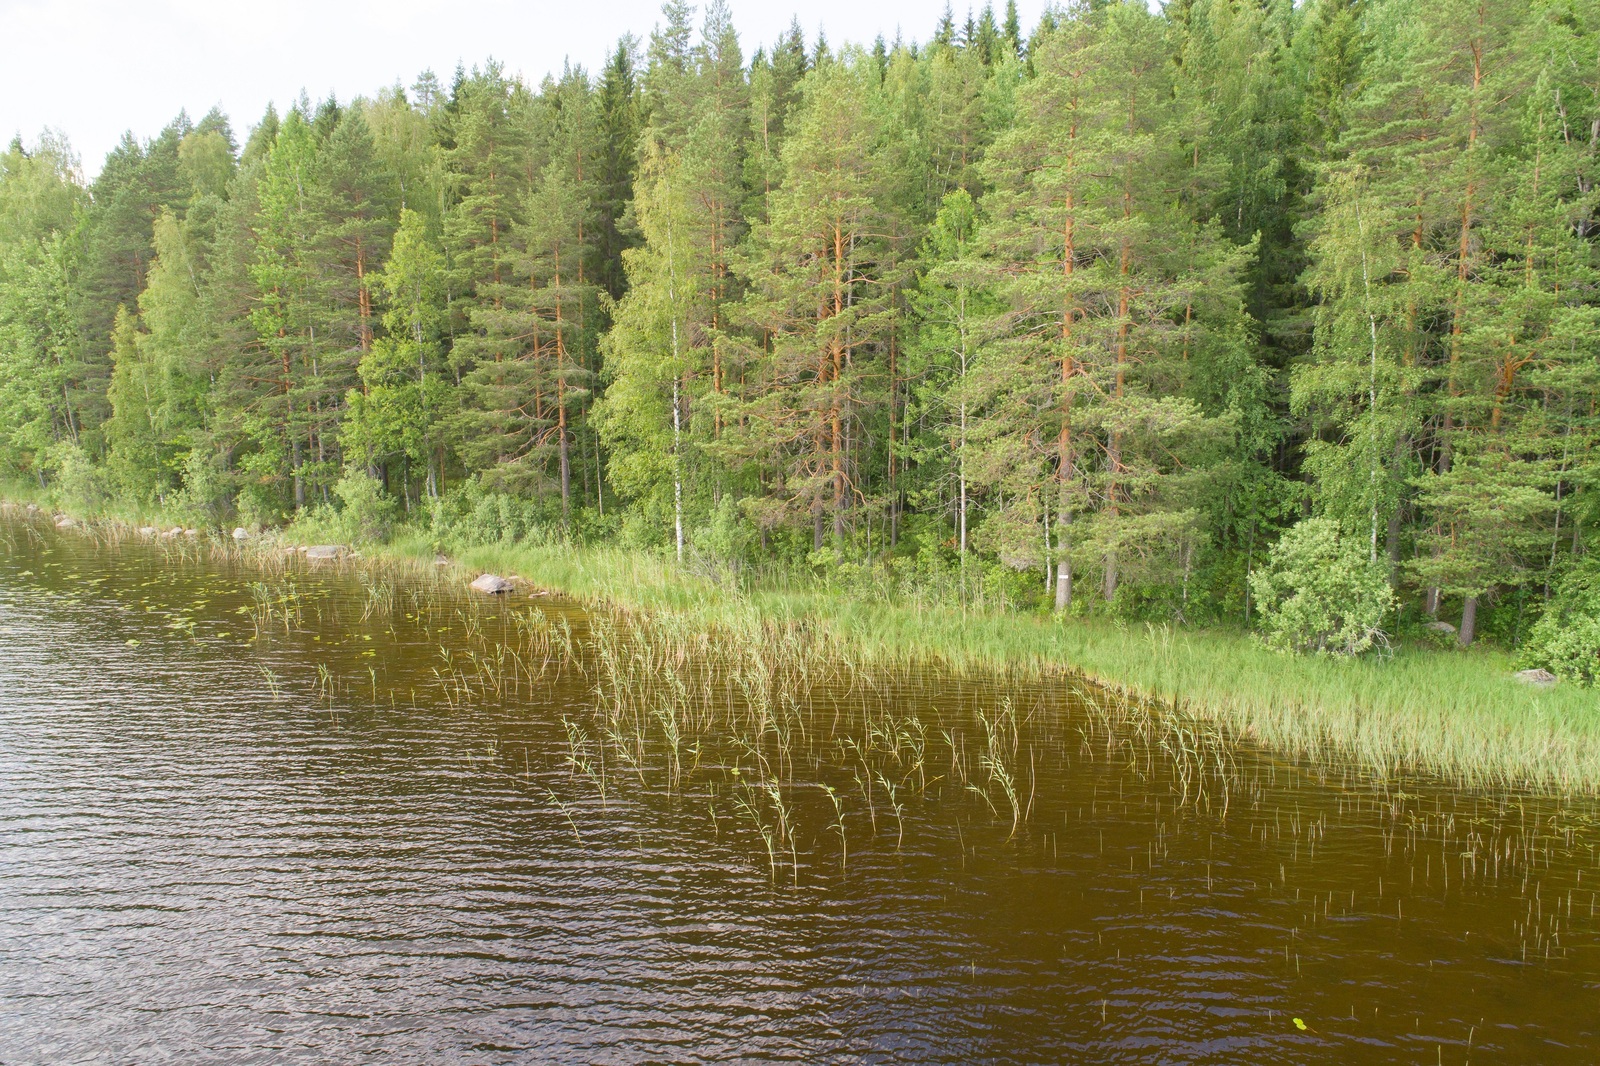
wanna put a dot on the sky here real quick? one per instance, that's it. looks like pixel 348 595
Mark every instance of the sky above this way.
pixel 92 69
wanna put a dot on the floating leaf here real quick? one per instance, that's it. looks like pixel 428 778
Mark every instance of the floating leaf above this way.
pixel 1300 1024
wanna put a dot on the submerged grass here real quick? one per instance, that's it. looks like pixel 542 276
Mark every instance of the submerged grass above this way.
pixel 1455 715
pixel 820 734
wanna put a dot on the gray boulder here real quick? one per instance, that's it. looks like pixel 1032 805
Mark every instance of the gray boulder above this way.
pixel 324 551
pixel 1538 677
pixel 65 522
pixel 1441 627
pixel 240 533
pixel 492 584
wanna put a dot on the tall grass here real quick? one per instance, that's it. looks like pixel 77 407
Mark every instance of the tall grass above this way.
pixel 1456 715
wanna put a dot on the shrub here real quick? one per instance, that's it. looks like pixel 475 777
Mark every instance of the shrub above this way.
pixel 1566 640
pixel 368 512
pixel 258 506
pixel 79 482
pixel 472 513
pixel 200 500
pixel 1320 592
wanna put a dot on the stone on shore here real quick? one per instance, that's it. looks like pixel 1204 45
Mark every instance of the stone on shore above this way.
pixel 1441 627
pixel 493 584
pixel 1538 677
pixel 240 533
pixel 148 531
pixel 324 551
pixel 65 522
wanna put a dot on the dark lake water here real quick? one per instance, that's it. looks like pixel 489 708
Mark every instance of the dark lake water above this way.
pixel 231 836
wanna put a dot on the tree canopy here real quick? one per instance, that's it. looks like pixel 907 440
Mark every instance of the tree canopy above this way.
pixel 1082 319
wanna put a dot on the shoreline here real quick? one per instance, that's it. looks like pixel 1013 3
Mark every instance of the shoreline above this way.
pixel 1454 716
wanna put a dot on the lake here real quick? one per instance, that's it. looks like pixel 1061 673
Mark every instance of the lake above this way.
pixel 279 811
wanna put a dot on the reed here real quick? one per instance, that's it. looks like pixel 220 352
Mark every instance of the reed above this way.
pixel 812 740
pixel 1458 716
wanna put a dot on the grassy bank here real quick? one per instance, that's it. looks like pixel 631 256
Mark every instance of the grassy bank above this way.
pixel 1457 715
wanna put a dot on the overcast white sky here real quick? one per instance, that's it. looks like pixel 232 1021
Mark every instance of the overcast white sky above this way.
pixel 94 68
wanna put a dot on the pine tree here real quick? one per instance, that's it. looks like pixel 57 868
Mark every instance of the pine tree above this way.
pixel 1103 328
pixel 952 304
pixel 1432 134
pixel 488 176
pixel 619 137
pixel 671 328
pixel 1011 29
pixel 283 428
pixel 206 157
pixel 822 269
pixel 406 391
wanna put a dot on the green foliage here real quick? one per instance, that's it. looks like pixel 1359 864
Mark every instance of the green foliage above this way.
pixel 80 482
pixel 475 514
pixel 1081 317
pixel 367 511
pixel 202 501
pixel 1566 639
pixel 1319 592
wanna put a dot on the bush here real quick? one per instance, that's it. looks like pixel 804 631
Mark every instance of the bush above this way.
pixel 472 513
pixel 368 513
pixel 1320 592
pixel 258 505
pixel 200 501
pixel 1566 640
pixel 726 536
pixel 79 482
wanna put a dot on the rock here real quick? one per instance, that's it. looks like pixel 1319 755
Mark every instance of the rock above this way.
pixel 1539 677
pixel 148 531
pixel 65 522
pixel 324 551
pixel 240 533
pixel 175 531
pixel 33 508
pixel 492 584
pixel 1441 627
pixel 191 532
pixel 440 560
pixel 170 533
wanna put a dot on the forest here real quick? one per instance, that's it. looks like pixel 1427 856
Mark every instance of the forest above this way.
pixel 1129 313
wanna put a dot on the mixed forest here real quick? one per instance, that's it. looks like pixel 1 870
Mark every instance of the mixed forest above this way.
pixel 1087 316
